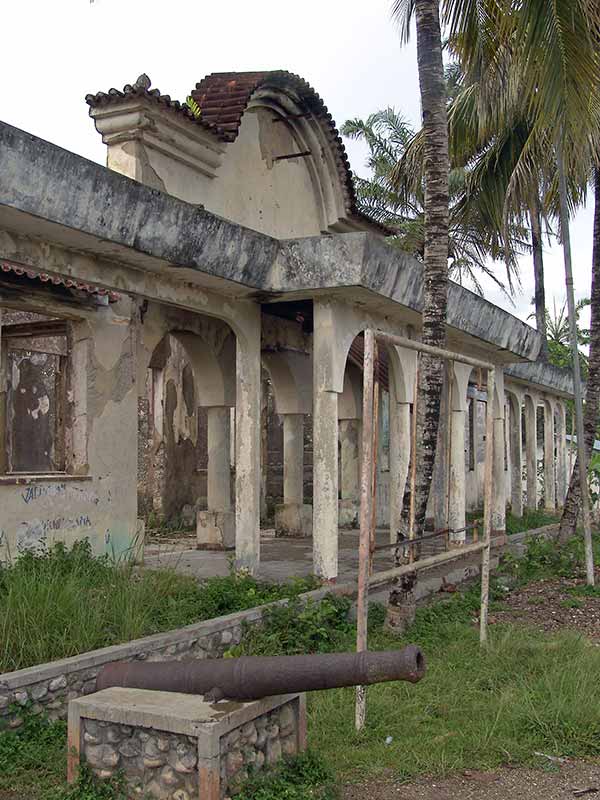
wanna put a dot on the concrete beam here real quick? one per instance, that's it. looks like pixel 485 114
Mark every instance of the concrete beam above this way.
pixel 60 196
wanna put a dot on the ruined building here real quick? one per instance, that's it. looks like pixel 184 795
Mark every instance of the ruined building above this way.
pixel 200 300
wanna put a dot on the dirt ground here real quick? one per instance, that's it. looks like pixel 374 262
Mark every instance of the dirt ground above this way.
pixel 557 782
pixel 548 605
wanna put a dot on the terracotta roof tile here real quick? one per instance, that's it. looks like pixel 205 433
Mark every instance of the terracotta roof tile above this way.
pixel 68 283
pixel 141 88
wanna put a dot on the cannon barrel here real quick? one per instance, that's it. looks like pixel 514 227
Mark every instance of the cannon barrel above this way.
pixel 254 677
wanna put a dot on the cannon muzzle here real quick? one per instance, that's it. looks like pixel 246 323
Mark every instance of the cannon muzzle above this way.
pixel 254 677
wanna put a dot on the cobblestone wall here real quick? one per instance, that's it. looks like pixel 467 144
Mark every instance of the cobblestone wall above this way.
pixel 156 764
pixel 160 764
pixel 256 744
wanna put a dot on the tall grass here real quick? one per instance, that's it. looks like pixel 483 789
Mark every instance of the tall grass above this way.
pixel 62 602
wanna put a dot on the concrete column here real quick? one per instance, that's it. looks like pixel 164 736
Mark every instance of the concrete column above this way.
pixel 349 432
pixel 457 489
pixel 293 458
pixel 218 491
pixel 399 460
pixel 215 527
pixel 562 478
pixel 325 484
pixel 516 456
pixel 531 451
pixel 3 395
pixel 247 444
pixel 457 496
pixel 438 497
pixel 549 462
pixel 499 475
pixel 293 518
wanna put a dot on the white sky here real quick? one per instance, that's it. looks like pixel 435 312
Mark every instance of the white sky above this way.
pixel 54 52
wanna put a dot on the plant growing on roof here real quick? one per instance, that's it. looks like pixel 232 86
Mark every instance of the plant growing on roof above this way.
pixel 193 106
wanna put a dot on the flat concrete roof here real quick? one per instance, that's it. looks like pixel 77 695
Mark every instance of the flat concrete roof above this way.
pixel 51 193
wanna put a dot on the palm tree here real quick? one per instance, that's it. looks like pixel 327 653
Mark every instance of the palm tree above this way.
pixel 568 521
pixel 436 219
pixel 536 59
pixel 472 240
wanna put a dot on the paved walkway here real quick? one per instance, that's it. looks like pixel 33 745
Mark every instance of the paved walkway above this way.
pixel 283 559
pixel 280 558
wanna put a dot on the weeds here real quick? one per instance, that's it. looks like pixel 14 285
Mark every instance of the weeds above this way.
pixel 530 520
pixel 59 602
pixel 301 778
pixel 546 558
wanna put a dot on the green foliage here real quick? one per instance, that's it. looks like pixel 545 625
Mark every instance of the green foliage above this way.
pixel 59 602
pixel 193 107
pixel 546 558
pixel 530 520
pixel 398 203
pixel 298 627
pixel 559 337
pixel 301 778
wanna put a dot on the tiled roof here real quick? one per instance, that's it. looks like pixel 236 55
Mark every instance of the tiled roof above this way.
pixel 141 88
pixel 68 283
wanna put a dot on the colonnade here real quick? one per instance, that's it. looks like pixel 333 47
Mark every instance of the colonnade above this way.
pixel 319 382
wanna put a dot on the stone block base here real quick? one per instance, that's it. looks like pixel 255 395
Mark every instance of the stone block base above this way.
pixel 215 530
pixel 348 513
pixel 293 519
pixel 174 746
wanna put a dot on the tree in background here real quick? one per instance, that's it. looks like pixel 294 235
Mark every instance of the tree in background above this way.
pixel 472 240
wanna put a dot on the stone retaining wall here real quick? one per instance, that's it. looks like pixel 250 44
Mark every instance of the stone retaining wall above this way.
pixel 49 687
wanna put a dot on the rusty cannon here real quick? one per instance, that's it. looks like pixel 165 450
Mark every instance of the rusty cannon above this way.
pixel 254 677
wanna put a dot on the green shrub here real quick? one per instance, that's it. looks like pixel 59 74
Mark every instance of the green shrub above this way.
pixel 299 627
pixel 301 778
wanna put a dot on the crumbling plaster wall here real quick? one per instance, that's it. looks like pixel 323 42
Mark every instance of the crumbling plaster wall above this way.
pixel 241 181
pixel 98 499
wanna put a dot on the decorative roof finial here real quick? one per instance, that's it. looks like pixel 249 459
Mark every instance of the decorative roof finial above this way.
pixel 143 82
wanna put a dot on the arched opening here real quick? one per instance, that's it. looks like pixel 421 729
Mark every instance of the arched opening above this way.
pixel 186 430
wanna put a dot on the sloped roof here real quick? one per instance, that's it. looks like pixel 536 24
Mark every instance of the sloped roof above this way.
pixel 56 280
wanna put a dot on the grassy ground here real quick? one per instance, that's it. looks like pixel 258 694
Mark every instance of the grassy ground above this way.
pixel 528 692
pixel 63 602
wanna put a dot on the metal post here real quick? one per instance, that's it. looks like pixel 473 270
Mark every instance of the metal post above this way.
pixel 487 505
pixel 366 503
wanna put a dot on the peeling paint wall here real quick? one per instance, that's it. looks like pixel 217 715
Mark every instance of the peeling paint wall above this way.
pixel 99 502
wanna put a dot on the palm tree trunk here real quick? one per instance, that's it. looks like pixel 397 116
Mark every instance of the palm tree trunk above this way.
pixel 577 390
pixel 435 294
pixel 538 270
pixel 592 396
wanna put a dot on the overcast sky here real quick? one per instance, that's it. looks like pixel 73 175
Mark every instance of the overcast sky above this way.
pixel 54 52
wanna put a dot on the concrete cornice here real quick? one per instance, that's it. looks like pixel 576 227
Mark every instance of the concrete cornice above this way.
pixel 90 208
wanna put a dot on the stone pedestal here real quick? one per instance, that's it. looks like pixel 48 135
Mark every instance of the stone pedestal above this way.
pixel 215 530
pixel 174 746
pixel 293 519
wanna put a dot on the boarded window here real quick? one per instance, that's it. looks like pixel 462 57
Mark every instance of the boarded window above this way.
pixel 36 364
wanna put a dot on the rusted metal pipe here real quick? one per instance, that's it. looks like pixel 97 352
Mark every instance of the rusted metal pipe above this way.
pixel 254 677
